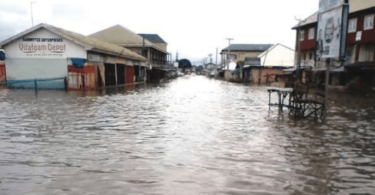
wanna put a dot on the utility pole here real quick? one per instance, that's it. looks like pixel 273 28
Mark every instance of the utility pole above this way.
pixel 217 51
pixel 229 39
pixel 31 6
pixel 299 49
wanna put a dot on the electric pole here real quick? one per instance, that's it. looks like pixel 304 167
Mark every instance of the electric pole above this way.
pixel 229 39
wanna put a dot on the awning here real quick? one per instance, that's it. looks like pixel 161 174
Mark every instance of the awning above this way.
pixel 2 54
pixel 361 66
pixel 78 62
pixel 332 69
pixel 290 70
pixel 163 69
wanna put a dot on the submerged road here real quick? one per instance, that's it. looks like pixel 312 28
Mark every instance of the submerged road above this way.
pixel 194 135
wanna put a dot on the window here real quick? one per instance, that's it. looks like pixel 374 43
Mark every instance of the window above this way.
pixel 369 22
pixel 352 25
pixel 302 35
pixel 311 33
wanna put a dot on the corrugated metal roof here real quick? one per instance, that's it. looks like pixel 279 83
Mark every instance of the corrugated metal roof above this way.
pixel 124 37
pixel 248 47
pixel 90 44
pixel 153 38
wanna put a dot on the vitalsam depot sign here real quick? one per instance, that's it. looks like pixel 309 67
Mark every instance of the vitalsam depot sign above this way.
pixel 42 46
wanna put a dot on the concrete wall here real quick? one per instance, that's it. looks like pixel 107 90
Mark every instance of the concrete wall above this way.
pixel 22 68
pixel 262 72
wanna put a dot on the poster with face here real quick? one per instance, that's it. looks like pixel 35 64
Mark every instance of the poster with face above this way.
pixel 329 34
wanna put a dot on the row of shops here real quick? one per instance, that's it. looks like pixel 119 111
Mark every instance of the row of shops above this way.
pixel 67 60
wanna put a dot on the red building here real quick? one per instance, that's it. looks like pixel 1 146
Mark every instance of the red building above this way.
pixel 358 70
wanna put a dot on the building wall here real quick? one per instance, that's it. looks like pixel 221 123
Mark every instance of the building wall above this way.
pixel 82 78
pixel 162 46
pixel 357 51
pixel 23 68
pixel 278 56
pixel 306 43
pixel 2 72
pixel 356 5
pixel 48 50
pixel 259 75
pixel 129 75
pixel 155 58
pixel 240 55
pixel 39 59
pixel 367 35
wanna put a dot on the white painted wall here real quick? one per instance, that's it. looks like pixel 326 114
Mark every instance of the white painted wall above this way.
pixel 21 68
pixel 71 50
pixel 278 56
pixel 50 61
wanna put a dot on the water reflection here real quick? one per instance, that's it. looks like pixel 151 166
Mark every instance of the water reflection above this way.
pixel 193 135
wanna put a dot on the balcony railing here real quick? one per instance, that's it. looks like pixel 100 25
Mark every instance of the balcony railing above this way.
pixel 162 64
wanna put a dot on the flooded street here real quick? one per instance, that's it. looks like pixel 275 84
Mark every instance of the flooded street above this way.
pixel 194 135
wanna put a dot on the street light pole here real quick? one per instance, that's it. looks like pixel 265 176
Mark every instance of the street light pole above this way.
pixel 229 39
pixel 31 6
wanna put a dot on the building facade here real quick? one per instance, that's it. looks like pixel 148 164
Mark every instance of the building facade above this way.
pixel 45 52
pixel 357 71
pixel 239 52
pixel 155 53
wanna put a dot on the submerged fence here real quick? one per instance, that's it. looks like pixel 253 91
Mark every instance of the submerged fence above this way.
pixel 46 83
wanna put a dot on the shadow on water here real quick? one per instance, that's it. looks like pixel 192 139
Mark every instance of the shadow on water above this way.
pixel 193 135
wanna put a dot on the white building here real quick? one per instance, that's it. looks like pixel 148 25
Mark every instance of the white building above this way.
pixel 45 51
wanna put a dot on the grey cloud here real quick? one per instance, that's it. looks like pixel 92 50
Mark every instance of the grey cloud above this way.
pixel 8 29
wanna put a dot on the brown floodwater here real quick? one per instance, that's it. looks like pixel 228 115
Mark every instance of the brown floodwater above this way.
pixel 193 135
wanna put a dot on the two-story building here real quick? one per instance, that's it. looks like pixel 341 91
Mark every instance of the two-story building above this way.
pixel 237 53
pixel 257 63
pixel 358 69
pixel 155 50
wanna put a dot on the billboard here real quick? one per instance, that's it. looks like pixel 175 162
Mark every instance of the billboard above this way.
pixel 331 33
pixel 326 5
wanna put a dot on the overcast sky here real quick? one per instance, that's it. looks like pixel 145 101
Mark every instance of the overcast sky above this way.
pixel 193 27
